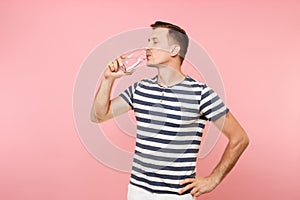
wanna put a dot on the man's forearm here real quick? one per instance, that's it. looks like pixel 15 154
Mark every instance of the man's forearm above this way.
pixel 102 99
pixel 233 151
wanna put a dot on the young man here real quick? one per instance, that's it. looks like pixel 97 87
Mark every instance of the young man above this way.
pixel 171 110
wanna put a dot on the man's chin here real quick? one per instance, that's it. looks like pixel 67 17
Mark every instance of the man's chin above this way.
pixel 151 64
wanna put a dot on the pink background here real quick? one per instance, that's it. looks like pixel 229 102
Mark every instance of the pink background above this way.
pixel 255 45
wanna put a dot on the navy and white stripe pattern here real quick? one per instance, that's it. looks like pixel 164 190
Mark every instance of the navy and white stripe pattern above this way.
pixel 170 122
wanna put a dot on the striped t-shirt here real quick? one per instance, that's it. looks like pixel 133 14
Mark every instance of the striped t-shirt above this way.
pixel 170 122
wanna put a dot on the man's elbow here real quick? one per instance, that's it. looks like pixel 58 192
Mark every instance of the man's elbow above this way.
pixel 241 142
pixel 245 141
pixel 95 118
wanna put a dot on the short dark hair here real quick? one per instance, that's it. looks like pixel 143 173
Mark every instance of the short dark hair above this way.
pixel 177 34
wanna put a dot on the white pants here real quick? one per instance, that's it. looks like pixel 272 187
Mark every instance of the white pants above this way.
pixel 136 193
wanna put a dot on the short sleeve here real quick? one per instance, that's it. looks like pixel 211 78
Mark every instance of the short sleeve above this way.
pixel 127 94
pixel 211 105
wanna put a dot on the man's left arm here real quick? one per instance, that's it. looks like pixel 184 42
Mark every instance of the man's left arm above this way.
pixel 238 141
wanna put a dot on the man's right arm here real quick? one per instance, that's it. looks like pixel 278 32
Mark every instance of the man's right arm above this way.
pixel 103 107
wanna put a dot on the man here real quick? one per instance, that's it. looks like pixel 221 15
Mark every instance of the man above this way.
pixel 171 110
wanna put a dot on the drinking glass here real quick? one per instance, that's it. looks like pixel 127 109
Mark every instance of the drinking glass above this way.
pixel 133 59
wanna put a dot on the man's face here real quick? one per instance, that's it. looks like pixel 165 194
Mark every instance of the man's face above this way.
pixel 158 50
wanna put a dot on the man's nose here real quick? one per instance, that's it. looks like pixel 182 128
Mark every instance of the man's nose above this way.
pixel 147 48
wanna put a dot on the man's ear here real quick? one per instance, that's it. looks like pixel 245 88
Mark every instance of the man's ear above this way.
pixel 175 50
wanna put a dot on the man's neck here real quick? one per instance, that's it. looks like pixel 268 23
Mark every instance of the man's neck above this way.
pixel 168 76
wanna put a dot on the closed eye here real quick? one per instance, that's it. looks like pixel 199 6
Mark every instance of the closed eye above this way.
pixel 154 39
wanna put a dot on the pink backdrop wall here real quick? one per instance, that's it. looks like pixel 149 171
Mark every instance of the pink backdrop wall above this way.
pixel 255 45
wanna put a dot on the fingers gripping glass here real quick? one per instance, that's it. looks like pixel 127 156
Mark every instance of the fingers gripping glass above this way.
pixel 133 59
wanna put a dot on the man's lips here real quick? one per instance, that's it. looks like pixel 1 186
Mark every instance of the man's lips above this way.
pixel 148 56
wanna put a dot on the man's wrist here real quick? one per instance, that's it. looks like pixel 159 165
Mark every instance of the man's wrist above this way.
pixel 109 78
pixel 215 178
